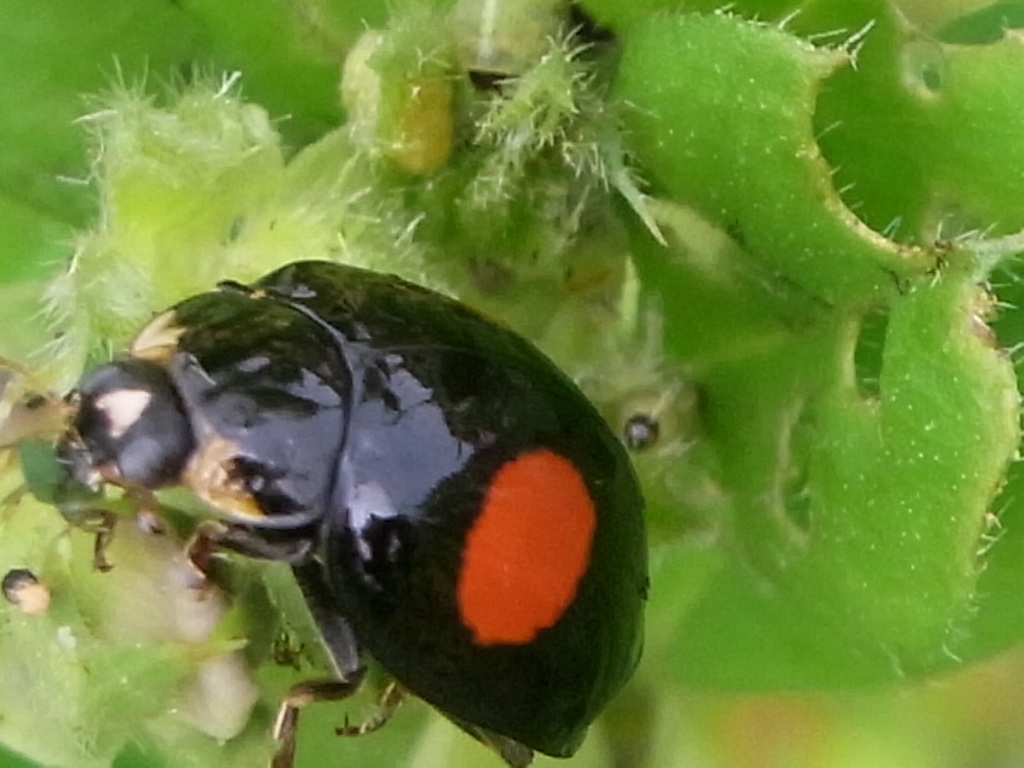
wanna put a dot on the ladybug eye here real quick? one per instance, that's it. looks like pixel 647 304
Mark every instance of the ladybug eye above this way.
pixel 641 431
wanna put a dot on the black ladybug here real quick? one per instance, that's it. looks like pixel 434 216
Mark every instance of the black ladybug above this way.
pixel 450 502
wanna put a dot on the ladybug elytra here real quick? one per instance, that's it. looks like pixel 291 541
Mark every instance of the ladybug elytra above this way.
pixel 450 503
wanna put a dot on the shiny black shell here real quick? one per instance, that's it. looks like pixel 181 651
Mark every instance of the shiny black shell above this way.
pixel 375 414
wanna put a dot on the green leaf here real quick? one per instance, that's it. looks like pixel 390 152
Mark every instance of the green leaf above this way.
pixel 854 503
pixel 734 138
pixel 920 133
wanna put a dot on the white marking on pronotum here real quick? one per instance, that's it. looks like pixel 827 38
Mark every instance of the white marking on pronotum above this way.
pixel 123 407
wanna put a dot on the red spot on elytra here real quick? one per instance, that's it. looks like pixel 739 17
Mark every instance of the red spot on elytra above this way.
pixel 527 550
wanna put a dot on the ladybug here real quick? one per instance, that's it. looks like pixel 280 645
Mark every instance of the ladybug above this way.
pixel 450 503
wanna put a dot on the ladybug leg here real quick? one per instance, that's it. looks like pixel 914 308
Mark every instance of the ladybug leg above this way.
pixel 101 523
pixel 299 697
pixel 390 699
pixel 87 510
pixel 341 643
pixel 90 512
pixel 335 632
pixel 105 525
pixel 212 536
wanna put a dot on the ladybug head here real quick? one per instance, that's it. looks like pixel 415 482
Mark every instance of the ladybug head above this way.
pixel 129 427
